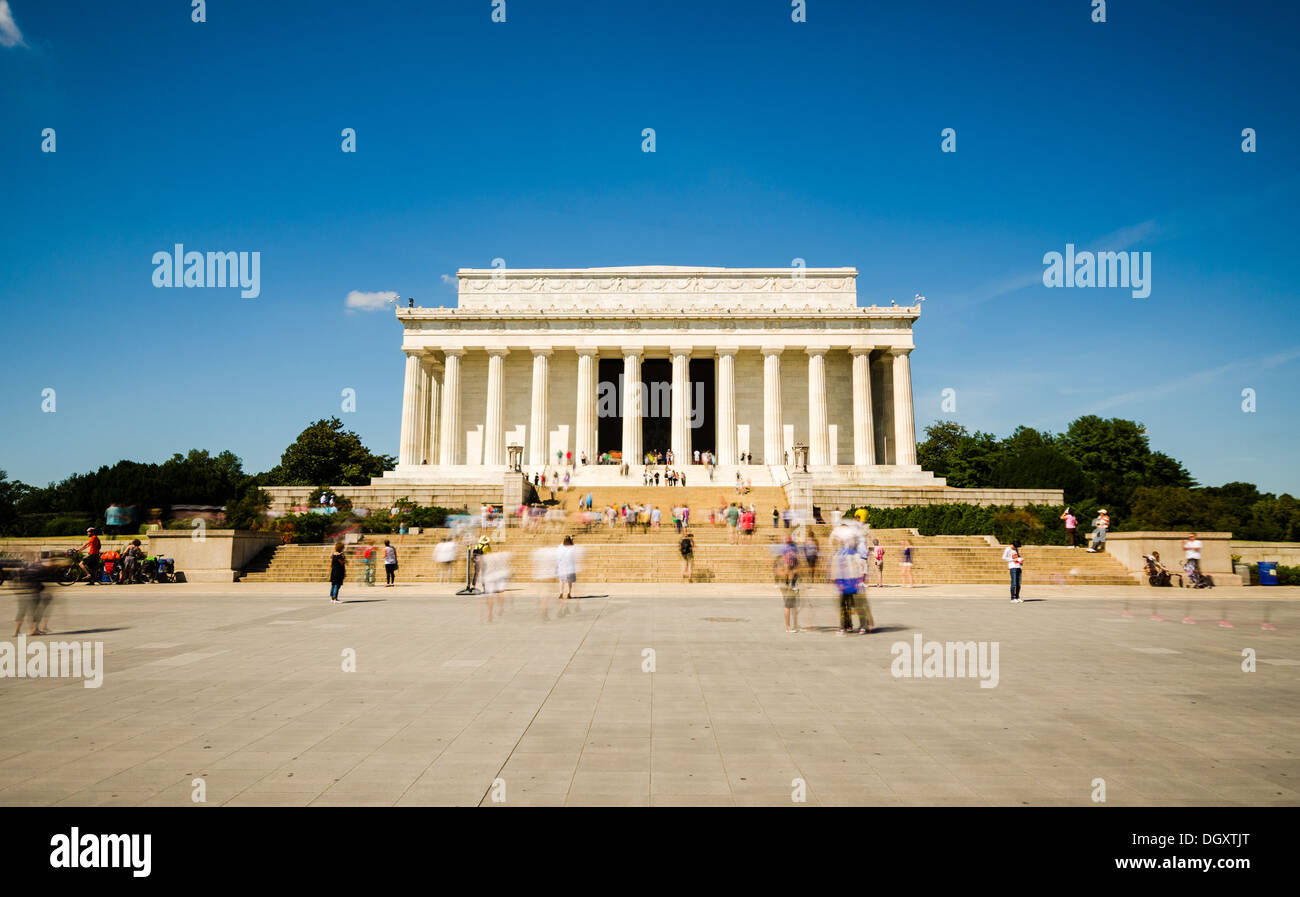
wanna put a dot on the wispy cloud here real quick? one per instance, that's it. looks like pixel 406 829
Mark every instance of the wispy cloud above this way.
pixel 449 280
pixel 10 36
pixel 1200 378
pixel 1116 241
pixel 359 301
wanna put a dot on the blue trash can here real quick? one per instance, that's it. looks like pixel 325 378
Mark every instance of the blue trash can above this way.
pixel 1268 573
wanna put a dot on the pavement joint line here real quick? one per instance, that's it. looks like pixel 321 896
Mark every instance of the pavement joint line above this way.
pixel 574 653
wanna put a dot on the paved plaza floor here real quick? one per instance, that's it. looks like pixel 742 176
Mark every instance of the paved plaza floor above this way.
pixel 660 695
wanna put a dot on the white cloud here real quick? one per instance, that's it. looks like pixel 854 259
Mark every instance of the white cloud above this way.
pixel 10 36
pixel 449 280
pixel 365 301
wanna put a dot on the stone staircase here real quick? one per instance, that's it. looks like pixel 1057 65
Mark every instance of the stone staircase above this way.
pixel 700 499
pixel 621 556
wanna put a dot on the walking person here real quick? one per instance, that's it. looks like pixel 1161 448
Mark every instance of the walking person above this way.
pixel 566 571
pixel 878 558
pixel 906 564
pixel 25 586
pixel 687 548
pixel 367 552
pixel 444 554
pixel 1015 564
pixel 390 563
pixel 338 572
pixel 847 570
pixel 785 564
pixel 810 550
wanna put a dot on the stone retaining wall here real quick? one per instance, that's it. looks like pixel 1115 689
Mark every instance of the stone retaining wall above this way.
pixel 827 497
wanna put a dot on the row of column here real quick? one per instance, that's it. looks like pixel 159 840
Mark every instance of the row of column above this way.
pixel 434 438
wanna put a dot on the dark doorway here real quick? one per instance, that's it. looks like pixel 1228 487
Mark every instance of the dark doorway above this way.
pixel 657 407
pixel 609 406
pixel 705 427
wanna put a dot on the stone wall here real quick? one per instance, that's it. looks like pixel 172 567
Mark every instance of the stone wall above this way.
pixel 827 497
pixel 216 557
pixel 378 497
pixel 1285 553
pixel 1131 548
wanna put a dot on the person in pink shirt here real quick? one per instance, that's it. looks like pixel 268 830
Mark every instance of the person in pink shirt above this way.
pixel 1071 525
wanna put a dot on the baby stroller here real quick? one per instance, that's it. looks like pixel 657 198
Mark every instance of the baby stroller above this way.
pixel 1156 573
pixel 166 571
pixel 149 569
pixel 1195 578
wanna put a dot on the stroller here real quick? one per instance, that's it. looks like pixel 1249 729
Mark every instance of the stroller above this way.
pixel 1195 578
pixel 166 570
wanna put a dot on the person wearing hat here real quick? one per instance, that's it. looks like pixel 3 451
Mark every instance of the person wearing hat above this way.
pixel 1100 525
pixel 90 563
pixel 481 547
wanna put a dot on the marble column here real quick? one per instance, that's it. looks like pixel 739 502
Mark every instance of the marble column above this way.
pixel 681 405
pixel 431 408
pixel 726 401
pixel 819 436
pixel 409 441
pixel 539 444
pixel 632 453
pixel 773 426
pixel 449 426
pixel 494 430
pixel 586 417
pixel 864 428
pixel 904 425
pixel 421 412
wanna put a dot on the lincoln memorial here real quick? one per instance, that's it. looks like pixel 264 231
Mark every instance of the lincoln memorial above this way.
pixel 748 364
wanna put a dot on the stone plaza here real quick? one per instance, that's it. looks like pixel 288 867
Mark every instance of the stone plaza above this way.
pixel 647 695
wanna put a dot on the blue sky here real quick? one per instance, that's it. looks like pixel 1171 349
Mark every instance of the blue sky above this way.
pixel 522 140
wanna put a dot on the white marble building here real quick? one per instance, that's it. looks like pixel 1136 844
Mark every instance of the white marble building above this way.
pixel 743 362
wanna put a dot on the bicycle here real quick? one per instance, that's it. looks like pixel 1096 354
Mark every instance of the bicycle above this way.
pixel 74 573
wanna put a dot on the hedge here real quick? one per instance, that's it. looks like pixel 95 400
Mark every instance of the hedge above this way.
pixel 1030 525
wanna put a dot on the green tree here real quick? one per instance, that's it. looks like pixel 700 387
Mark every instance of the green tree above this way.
pixel 963 458
pixel 11 494
pixel 325 454
pixel 1112 451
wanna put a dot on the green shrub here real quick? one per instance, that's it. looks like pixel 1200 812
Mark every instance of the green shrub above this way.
pixel 1286 576
pixel 1030 525
pixel 70 526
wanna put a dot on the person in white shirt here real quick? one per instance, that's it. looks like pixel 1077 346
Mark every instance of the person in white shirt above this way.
pixel 566 571
pixel 1192 551
pixel 1015 563
pixel 444 553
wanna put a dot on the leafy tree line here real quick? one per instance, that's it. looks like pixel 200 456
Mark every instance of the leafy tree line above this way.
pixel 323 454
pixel 1098 463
